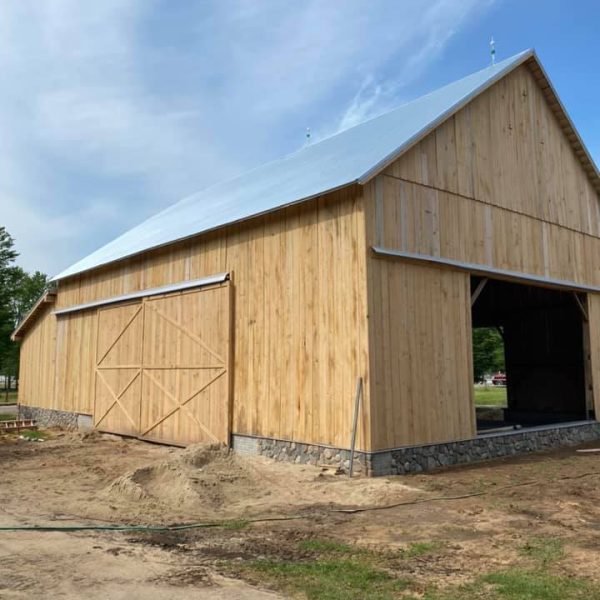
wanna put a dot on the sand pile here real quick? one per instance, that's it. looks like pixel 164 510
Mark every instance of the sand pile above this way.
pixel 212 482
pixel 202 475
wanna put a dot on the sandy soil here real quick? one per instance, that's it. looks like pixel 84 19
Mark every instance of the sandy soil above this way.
pixel 74 479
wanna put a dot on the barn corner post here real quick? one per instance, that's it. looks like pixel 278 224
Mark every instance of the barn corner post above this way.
pixel 231 355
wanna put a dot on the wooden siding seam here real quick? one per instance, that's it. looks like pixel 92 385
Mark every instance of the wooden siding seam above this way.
pixel 485 203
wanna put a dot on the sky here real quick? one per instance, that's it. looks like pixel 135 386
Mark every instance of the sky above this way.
pixel 111 111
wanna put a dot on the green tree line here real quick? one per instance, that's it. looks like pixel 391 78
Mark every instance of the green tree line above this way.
pixel 19 291
pixel 488 351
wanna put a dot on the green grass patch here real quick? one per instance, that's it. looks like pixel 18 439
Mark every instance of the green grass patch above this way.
pixel 543 550
pixel 330 579
pixel 10 399
pixel 325 547
pixel 517 584
pixel 7 417
pixel 490 396
pixel 33 435
pixel 420 549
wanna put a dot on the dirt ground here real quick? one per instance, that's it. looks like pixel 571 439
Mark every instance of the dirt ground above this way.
pixel 447 528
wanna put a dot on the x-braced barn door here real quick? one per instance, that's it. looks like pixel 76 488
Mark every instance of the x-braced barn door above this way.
pixel 163 367
pixel 118 369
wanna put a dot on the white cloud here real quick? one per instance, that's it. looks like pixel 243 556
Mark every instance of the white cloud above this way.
pixel 111 110
pixel 434 27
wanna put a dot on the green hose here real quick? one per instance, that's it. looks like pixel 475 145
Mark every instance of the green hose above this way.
pixel 144 528
pixel 109 527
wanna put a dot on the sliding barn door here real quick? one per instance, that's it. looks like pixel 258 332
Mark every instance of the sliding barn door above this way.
pixel 185 384
pixel 163 367
pixel 118 369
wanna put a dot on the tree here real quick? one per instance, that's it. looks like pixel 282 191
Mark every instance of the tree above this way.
pixel 18 293
pixel 488 351
pixel 26 289
pixel 7 258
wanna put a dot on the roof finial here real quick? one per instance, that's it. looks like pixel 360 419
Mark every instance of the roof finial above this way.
pixel 493 50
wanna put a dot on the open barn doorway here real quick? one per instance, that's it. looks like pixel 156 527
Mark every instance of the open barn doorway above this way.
pixel 535 341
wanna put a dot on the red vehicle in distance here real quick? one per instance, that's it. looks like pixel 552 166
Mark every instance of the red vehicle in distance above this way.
pixel 499 379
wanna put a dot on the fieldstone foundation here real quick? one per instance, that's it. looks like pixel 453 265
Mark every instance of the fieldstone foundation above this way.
pixel 396 461
pixel 298 453
pixel 48 417
pixel 417 459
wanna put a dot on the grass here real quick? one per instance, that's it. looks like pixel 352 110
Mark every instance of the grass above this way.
pixel 34 434
pixel 7 417
pixel 333 571
pixel 339 571
pixel 518 584
pixel 331 579
pixel 420 549
pixel 12 397
pixel 490 396
pixel 543 550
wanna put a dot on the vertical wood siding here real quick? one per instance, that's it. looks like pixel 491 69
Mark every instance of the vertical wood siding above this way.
pixel 37 368
pixel 593 305
pixel 499 185
pixel 75 362
pixel 421 370
pixel 507 149
pixel 300 315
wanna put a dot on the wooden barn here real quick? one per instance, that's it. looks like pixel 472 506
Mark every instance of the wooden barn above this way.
pixel 245 314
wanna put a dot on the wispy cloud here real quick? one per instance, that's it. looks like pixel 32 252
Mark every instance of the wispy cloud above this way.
pixel 421 42
pixel 111 110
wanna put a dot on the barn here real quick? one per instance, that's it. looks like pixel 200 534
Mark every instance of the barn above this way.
pixel 329 298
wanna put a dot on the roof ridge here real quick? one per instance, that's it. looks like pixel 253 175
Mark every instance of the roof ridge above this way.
pixel 351 156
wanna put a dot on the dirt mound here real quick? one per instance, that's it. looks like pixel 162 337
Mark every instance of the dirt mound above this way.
pixel 202 475
pixel 212 482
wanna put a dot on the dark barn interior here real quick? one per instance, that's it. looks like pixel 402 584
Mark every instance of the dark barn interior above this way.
pixel 544 333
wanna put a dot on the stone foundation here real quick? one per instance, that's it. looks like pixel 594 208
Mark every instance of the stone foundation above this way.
pixel 396 461
pixel 298 453
pixel 417 459
pixel 48 417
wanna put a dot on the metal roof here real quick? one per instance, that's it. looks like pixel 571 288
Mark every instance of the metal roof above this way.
pixel 352 156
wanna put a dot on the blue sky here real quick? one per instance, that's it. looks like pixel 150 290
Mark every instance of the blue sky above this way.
pixel 112 110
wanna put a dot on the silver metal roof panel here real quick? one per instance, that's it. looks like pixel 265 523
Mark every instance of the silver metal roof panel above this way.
pixel 352 156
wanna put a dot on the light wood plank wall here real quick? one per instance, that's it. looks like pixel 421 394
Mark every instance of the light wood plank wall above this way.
pixel 506 149
pixel 75 362
pixel 421 371
pixel 300 314
pixel 497 184
pixel 593 306
pixel 37 366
